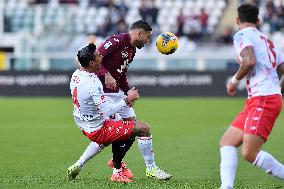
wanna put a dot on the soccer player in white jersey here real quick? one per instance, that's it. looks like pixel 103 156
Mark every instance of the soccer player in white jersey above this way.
pixel 259 62
pixel 92 115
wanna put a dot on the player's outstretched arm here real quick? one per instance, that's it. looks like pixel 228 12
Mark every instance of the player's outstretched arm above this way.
pixel 109 109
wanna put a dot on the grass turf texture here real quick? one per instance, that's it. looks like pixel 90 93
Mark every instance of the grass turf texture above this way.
pixel 39 140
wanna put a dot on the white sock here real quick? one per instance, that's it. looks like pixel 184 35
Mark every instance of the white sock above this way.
pixel 228 166
pixel 115 171
pixel 269 164
pixel 92 150
pixel 145 147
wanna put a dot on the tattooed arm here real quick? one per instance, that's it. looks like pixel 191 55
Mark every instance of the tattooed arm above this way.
pixel 246 65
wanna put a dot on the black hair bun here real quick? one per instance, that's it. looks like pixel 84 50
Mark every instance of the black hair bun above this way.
pixel 92 46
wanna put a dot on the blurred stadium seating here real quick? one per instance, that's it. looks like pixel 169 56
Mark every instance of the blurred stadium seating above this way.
pixel 82 17
pixel 45 34
pixel 272 14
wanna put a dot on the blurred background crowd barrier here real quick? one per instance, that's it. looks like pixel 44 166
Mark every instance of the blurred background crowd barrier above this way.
pixel 43 36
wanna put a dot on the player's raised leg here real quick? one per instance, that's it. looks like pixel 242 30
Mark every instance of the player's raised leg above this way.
pixel 252 153
pixel 229 143
pixel 92 150
pixel 259 127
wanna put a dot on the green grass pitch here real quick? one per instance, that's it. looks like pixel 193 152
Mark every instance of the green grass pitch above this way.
pixel 39 140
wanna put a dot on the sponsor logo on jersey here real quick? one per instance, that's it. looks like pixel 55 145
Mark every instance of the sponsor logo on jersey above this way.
pixel 124 54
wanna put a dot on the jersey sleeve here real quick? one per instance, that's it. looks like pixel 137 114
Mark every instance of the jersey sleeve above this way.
pixel 242 40
pixel 123 84
pixel 110 109
pixel 97 94
pixel 109 46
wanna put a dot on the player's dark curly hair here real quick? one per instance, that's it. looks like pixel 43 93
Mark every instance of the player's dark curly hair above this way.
pixel 86 55
pixel 141 24
pixel 248 13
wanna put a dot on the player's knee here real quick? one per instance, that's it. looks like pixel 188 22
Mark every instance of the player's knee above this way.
pixel 248 155
pixel 221 143
pixel 231 138
pixel 129 119
pixel 143 129
pixel 225 142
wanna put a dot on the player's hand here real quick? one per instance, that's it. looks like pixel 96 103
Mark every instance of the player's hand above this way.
pixel 231 88
pixel 110 81
pixel 132 95
pixel 131 104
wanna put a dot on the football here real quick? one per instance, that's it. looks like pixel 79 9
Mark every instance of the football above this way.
pixel 167 43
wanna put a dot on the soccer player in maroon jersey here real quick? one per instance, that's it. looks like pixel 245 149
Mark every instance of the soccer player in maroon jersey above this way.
pixel 118 52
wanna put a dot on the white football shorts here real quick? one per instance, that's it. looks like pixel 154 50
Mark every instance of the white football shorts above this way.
pixel 126 112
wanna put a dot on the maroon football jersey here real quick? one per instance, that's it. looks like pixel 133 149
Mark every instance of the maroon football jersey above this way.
pixel 117 55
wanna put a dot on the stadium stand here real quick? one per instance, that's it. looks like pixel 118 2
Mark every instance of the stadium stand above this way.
pixel 59 27
pixel 272 14
pixel 40 29
pixel 101 17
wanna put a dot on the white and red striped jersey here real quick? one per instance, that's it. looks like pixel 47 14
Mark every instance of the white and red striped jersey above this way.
pixel 262 80
pixel 91 109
